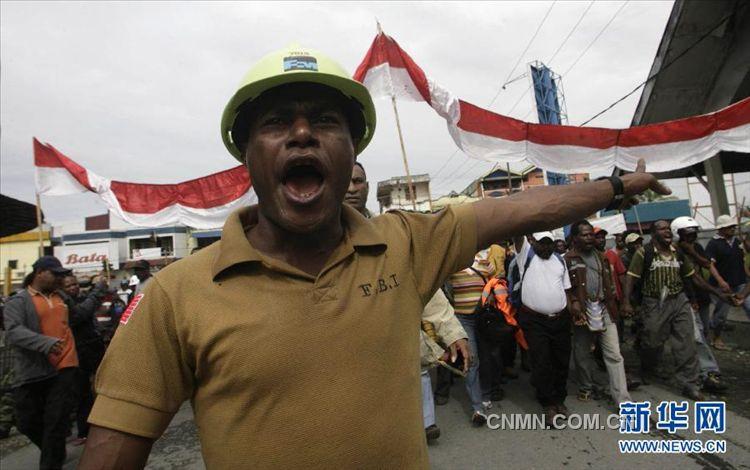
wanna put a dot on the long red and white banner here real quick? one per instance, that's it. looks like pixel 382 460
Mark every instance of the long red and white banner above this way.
pixel 201 203
pixel 387 70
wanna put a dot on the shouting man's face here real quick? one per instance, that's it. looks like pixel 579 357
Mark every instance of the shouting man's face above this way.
pixel 661 232
pixel 300 154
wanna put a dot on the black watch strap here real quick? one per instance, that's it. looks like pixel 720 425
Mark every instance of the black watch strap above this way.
pixel 619 190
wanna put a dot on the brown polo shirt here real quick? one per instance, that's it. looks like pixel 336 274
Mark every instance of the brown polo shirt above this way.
pixel 285 369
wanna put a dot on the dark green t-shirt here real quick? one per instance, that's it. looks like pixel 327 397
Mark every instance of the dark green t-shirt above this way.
pixel 665 271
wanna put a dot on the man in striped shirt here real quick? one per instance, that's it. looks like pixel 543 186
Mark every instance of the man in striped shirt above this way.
pixel 467 286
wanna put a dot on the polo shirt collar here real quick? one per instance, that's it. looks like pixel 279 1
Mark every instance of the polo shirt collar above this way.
pixel 360 229
pixel 728 240
pixel 33 292
pixel 236 249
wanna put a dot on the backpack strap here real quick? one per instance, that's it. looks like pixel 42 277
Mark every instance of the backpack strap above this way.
pixel 479 274
pixel 648 258
pixel 560 258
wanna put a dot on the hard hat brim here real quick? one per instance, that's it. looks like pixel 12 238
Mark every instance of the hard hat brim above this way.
pixel 348 87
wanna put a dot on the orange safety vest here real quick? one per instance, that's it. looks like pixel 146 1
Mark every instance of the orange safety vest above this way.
pixel 496 291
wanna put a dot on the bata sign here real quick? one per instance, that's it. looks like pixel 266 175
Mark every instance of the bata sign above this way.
pixel 89 256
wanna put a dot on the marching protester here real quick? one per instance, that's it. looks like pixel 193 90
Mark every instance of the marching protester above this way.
pixel 439 324
pixel 725 252
pixel 617 267
pixel 666 277
pixel 124 292
pixel 633 241
pixel 545 319
pixel 506 347
pixel 7 418
pixel 685 233
pixel 619 247
pixel 89 344
pixel 359 189
pixel 304 303
pixel 561 247
pixel 467 286
pixel 141 277
pixel 594 315
pixel 45 360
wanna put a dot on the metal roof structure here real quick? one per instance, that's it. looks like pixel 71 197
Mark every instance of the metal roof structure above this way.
pixel 702 65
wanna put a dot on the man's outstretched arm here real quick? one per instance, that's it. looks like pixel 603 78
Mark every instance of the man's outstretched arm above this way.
pixel 550 207
pixel 107 449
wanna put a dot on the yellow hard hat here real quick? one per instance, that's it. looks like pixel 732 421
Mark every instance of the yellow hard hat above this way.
pixel 296 64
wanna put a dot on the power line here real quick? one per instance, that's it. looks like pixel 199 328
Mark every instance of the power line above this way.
pixel 505 82
pixel 570 33
pixel 559 48
pixel 445 180
pixel 517 102
pixel 523 54
pixel 446 184
pixel 596 38
pixel 445 163
pixel 665 67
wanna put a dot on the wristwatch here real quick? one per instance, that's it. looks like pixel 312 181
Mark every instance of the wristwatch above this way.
pixel 619 190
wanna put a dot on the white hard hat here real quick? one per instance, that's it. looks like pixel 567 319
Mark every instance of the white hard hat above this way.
pixel 540 235
pixel 683 223
pixel 724 221
pixel 632 238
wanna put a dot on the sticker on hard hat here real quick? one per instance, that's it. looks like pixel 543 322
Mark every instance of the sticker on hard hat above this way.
pixel 300 63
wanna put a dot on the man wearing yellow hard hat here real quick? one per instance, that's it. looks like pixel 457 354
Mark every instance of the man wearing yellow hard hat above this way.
pixel 293 336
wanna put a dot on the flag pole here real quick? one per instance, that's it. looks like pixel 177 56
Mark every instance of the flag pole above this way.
pixel 409 182
pixel 39 223
pixel 403 155
pixel 638 219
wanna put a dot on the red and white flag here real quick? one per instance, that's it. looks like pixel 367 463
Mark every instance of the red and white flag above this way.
pixel 200 203
pixel 387 70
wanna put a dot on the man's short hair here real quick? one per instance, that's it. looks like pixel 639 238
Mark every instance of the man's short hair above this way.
pixel 653 226
pixel 575 229
pixel 356 163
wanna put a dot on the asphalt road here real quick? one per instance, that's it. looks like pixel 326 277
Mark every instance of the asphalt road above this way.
pixel 462 446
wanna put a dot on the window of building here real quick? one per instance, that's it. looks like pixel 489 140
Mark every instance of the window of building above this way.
pixel 166 244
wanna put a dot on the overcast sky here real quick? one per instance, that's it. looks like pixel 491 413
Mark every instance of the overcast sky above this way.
pixel 134 91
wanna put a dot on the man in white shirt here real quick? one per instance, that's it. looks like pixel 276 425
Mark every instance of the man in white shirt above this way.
pixel 545 321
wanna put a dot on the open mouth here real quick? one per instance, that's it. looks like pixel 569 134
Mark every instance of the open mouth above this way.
pixel 303 180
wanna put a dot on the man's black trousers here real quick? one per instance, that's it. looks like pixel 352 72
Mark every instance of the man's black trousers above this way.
pixel 43 414
pixel 89 357
pixel 549 351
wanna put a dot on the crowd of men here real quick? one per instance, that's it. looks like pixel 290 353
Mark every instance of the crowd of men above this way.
pixel 314 313
pixel 55 334
pixel 571 298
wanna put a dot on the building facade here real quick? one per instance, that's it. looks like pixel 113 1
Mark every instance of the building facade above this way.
pixel 86 245
pixel 17 254
pixel 499 182
pixel 394 194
